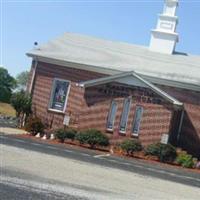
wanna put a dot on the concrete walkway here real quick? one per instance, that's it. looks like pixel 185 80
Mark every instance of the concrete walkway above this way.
pixel 11 131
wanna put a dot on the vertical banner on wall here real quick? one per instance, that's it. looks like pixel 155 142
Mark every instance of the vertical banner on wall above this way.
pixel 59 94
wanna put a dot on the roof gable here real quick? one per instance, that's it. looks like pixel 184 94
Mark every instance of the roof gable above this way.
pixel 131 78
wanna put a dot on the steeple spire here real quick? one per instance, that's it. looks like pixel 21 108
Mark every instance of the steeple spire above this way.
pixel 164 37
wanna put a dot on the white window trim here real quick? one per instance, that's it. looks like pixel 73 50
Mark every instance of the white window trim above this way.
pixel 109 129
pixel 52 94
pixel 132 133
pixel 124 132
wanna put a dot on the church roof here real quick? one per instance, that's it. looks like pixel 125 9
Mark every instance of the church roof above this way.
pixel 109 57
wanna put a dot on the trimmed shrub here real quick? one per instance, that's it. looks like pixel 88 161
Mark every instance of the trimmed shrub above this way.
pixel 34 125
pixel 93 137
pixel 131 146
pixel 60 135
pixel 153 149
pixel 70 133
pixel 63 134
pixel 81 137
pixel 186 160
pixel 164 152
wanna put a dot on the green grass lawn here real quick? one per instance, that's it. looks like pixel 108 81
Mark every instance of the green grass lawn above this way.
pixel 7 109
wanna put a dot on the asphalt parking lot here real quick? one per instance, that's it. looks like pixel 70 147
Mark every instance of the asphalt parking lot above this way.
pixel 10 122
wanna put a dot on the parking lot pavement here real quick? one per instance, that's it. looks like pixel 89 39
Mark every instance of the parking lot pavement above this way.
pixel 34 170
pixel 130 165
pixel 10 122
pixel 8 125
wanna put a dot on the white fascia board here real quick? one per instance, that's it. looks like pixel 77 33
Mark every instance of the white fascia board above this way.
pixel 170 83
pixel 160 92
pixel 103 80
pixel 107 71
pixel 76 65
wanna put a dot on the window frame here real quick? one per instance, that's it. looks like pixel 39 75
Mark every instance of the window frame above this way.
pixel 126 99
pixel 134 120
pixel 109 116
pixel 53 92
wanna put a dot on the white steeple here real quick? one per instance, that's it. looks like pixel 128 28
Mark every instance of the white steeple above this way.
pixel 164 37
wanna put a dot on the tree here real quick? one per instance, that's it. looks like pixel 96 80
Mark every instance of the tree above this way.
pixel 22 80
pixel 7 83
pixel 22 102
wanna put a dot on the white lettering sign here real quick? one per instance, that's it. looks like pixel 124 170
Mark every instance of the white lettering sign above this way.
pixel 66 120
pixel 164 138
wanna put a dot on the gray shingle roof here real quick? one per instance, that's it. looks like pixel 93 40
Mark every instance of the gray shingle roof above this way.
pixel 179 70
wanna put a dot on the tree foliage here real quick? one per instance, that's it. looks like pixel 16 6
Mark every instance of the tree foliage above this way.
pixel 22 102
pixel 22 80
pixel 7 83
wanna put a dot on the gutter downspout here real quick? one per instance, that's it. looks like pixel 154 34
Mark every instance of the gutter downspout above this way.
pixel 33 76
pixel 180 125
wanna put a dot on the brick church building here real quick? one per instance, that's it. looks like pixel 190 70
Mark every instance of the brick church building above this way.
pixel 149 93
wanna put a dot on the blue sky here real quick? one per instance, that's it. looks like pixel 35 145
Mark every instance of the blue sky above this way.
pixel 24 22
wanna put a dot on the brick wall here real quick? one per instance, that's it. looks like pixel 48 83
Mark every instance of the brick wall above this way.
pixel 155 121
pixel 89 108
pixel 45 75
pixel 190 134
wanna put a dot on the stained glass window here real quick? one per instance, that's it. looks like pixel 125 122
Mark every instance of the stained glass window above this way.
pixel 124 117
pixel 111 116
pixel 137 120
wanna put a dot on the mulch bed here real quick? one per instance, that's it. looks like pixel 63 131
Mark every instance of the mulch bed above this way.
pixel 138 155
pixel 73 144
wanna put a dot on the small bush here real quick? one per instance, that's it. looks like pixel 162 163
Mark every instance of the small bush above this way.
pixel 70 133
pixel 185 160
pixel 81 137
pixel 131 146
pixel 34 125
pixel 165 152
pixel 153 149
pixel 93 137
pixel 60 135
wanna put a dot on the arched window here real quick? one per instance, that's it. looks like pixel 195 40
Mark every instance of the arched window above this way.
pixel 137 120
pixel 124 117
pixel 111 116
